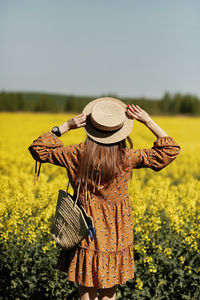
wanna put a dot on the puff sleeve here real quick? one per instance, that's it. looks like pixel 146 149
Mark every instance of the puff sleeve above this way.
pixel 164 151
pixel 48 148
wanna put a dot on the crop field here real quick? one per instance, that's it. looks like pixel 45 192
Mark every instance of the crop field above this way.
pixel 166 213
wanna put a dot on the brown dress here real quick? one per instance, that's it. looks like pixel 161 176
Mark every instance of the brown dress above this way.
pixel 108 259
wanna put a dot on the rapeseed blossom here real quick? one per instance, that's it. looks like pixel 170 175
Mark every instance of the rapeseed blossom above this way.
pixel 167 199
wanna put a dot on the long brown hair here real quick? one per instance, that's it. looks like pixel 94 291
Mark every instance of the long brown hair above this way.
pixel 100 163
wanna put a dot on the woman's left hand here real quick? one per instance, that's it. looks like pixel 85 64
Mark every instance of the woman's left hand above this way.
pixel 77 121
pixel 73 123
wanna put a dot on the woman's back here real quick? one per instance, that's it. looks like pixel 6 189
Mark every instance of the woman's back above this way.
pixel 110 207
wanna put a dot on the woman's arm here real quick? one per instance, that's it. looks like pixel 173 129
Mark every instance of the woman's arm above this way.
pixel 76 122
pixel 142 116
pixel 159 132
pixel 49 148
pixel 164 150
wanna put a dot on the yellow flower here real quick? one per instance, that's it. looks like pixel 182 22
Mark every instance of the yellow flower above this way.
pixel 168 252
pixel 45 248
pixel 139 284
pixel 148 259
pixel 182 259
pixel 152 269
pixel 189 269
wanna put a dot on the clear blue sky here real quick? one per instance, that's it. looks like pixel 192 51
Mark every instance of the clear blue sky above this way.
pixel 124 47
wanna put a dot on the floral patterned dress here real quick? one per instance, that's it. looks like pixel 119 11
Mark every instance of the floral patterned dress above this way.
pixel 108 259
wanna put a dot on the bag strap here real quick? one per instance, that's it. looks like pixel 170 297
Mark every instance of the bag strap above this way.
pixel 77 193
pixel 78 189
pixel 37 175
pixel 67 187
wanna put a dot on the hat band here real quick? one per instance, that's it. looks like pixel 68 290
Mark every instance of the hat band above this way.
pixel 105 128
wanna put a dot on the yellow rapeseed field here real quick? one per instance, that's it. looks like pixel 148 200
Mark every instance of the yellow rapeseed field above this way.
pixel 167 199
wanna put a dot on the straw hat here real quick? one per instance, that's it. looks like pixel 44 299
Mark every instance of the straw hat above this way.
pixel 107 120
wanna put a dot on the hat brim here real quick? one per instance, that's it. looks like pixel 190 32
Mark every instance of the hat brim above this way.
pixel 107 137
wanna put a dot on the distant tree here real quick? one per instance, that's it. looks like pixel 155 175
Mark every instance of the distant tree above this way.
pixel 172 104
pixel 146 105
pixel 11 102
pixel 175 106
pixel 189 104
pixel 20 102
pixel 2 102
pixel 165 102
pixel 83 102
pixel 156 109
pixel 195 105
pixel 46 103
pixel 70 104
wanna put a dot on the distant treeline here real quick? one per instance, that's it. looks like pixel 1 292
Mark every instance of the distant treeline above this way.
pixel 168 104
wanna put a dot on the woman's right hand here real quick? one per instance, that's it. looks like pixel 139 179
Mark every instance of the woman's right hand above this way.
pixel 136 112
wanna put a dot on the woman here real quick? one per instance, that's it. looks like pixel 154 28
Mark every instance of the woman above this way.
pixel 103 165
